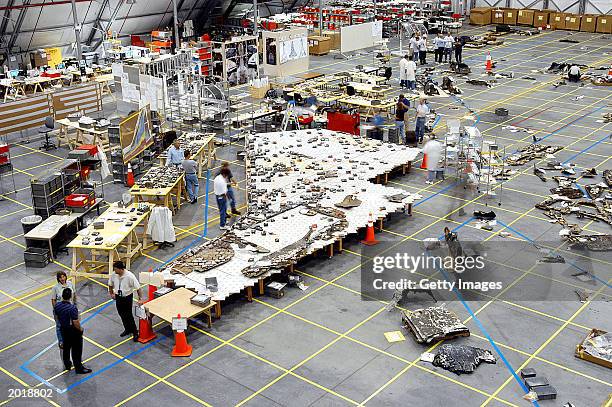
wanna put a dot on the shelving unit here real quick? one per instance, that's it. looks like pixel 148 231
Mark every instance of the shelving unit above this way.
pixel 202 58
pixel 6 168
pixel 50 187
pixel 161 42
pixel 233 56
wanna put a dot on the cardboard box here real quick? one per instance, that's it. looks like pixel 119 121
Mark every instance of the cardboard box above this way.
pixel 588 23
pixel 604 24
pixel 572 22
pixel 318 45
pixel 525 17
pixel 334 36
pixel 480 16
pixel 557 21
pixel 497 16
pixel 259 93
pixel 510 15
pixel 540 18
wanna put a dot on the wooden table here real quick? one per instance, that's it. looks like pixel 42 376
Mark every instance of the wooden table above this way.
pixel 177 302
pixel 50 227
pixel 99 137
pixel 104 81
pixel 387 106
pixel 120 241
pixel 18 88
pixel 203 151
pixel 364 77
pixel 155 195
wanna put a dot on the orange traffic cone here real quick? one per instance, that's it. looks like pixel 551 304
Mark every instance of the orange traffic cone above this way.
pixel 489 63
pixel 181 347
pixel 130 176
pixel 370 240
pixel 424 162
pixel 145 331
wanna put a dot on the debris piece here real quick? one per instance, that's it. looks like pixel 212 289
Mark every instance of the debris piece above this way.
pixel 546 392
pixel 461 358
pixel 394 336
pixel 433 324
pixel 528 372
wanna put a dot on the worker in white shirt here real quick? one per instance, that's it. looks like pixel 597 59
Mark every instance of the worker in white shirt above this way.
pixel 438 48
pixel 574 73
pixel 403 71
pixel 414 44
pixel 422 110
pixel 410 45
pixel 176 155
pixel 432 149
pixel 220 189
pixel 121 286
pixel 411 74
pixel 423 49
pixel 448 47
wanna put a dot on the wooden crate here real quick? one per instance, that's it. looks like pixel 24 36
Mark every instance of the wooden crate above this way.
pixel 480 16
pixel 318 45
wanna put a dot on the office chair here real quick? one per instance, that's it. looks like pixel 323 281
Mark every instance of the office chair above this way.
pixel 46 129
pixel 388 73
pixel 350 90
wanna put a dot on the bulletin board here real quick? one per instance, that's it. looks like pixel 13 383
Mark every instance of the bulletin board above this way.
pixel 77 99
pixel 135 134
pixel 285 52
pixel 360 36
pixel 24 114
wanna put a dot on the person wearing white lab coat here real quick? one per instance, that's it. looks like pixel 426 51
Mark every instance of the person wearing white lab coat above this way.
pixel 160 225
pixel 423 50
pixel 414 45
pixel 411 74
pixel 403 71
pixel 432 149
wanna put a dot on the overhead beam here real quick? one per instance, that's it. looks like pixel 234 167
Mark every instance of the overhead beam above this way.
pixel 6 19
pixel 22 13
pixel 96 23
pixel 110 23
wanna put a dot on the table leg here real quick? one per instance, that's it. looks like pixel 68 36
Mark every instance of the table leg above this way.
pixel 111 260
pixel 51 250
pixel 339 245
pixel 74 267
pixel 261 286
pixel 209 315
pixel 249 292
pixel 380 224
pixel 330 250
pixel 218 309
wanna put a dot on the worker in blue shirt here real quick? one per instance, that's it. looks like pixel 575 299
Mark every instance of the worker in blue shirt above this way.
pixel 68 317
pixel 176 155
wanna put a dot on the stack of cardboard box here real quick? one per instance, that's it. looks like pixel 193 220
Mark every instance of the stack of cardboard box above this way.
pixel 542 18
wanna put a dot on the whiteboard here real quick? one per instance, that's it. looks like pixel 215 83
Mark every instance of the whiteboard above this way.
pixel 360 36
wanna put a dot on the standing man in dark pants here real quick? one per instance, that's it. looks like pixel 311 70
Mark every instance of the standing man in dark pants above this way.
pixel 72 333
pixel 458 50
pixel 121 287
pixel 230 190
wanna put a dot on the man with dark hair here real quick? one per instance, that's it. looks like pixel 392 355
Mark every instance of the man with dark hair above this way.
pixel 231 182
pixel 68 316
pixel 220 190
pixel 191 177
pixel 121 286
pixel 56 297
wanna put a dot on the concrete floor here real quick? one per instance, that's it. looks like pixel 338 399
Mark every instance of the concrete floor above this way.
pixel 325 346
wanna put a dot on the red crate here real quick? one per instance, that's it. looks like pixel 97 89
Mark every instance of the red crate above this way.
pixel 93 149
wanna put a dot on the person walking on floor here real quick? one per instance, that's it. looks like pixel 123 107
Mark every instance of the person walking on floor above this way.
pixel 121 286
pixel 423 50
pixel 410 45
pixel 422 110
pixel 411 74
pixel 432 149
pixel 191 177
pixel 231 183
pixel 438 48
pixel 72 333
pixel 448 47
pixel 458 50
pixel 403 71
pixel 220 190
pixel 400 110
pixel 56 297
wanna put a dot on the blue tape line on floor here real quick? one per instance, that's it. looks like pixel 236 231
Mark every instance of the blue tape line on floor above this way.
pixel 205 232
pixel 486 334
pixel 584 193
pixel 437 193
pixel 25 365
pixel 115 363
pixel 570 263
pixel 586 149
pixel 459 227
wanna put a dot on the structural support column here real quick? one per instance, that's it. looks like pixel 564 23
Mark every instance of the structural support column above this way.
pixel 77 31
pixel 176 29
pixel 320 17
